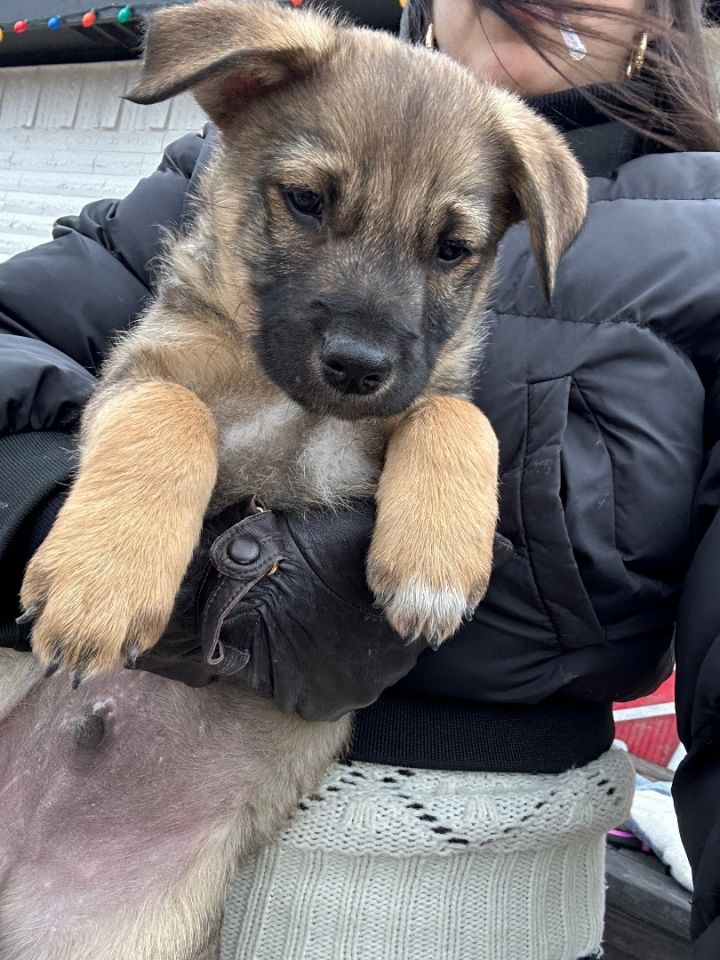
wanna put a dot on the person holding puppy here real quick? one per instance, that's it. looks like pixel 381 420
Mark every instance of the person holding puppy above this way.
pixel 469 819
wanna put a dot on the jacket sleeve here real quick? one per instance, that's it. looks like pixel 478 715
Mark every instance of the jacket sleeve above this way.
pixel 697 643
pixel 60 306
pixel 697 782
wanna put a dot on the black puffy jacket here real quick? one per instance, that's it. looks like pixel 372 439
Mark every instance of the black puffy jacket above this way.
pixel 607 407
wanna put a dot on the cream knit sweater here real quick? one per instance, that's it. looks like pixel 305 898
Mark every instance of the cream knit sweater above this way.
pixel 391 864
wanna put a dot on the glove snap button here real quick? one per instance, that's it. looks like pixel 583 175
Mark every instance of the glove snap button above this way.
pixel 243 549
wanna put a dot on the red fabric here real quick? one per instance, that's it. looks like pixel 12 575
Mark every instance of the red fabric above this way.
pixel 653 736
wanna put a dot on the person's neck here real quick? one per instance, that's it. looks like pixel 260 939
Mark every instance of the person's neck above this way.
pixel 600 143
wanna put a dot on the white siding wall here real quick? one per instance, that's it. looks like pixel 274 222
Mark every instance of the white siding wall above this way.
pixel 66 138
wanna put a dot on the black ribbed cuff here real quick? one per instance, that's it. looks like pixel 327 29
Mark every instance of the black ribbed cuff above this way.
pixel 444 734
pixel 35 470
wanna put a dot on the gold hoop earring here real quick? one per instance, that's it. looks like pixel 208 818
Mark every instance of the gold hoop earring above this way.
pixel 430 37
pixel 637 57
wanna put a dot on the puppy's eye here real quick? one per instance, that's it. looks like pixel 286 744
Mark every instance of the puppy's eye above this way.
pixel 451 252
pixel 305 205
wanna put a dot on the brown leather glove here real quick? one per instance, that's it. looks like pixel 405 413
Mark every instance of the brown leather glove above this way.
pixel 279 602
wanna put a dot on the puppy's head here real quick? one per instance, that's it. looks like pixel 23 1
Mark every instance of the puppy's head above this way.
pixel 359 196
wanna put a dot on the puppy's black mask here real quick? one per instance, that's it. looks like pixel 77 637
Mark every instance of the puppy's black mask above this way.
pixel 354 303
pixel 346 336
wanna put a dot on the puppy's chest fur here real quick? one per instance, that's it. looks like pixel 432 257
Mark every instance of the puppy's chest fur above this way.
pixel 288 457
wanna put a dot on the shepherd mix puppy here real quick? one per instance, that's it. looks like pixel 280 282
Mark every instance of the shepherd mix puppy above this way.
pixel 312 340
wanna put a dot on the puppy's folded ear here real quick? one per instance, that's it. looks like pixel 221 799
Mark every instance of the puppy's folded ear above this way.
pixel 547 185
pixel 229 51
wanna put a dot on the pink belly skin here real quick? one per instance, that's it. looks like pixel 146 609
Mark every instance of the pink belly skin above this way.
pixel 109 794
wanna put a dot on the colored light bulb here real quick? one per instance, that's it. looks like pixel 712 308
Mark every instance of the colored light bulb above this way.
pixel 125 14
pixel 2 34
pixel 54 23
pixel 89 18
pixel 20 26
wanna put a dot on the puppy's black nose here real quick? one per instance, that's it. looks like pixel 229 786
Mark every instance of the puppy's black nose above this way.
pixel 353 366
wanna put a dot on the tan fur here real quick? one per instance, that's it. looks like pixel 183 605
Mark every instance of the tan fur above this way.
pixel 437 510
pixel 185 416
pixel 551 192
pixel 252 44
pixel 106 576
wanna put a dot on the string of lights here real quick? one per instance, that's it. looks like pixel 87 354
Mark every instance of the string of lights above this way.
pixel 88 18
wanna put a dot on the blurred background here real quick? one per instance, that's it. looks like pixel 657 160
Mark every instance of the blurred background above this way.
pixel 66 137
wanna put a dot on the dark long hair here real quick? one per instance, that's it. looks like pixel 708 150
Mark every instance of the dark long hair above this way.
pixel 672 100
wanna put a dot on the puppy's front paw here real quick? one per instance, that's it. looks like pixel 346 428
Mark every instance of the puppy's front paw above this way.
pixel 432 550
pixel 94 598
pixel 417 608
pixel 420 594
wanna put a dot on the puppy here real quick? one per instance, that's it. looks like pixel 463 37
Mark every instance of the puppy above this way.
pixel 312 340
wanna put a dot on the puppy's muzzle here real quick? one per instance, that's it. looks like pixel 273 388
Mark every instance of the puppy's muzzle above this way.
pixel 353 366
